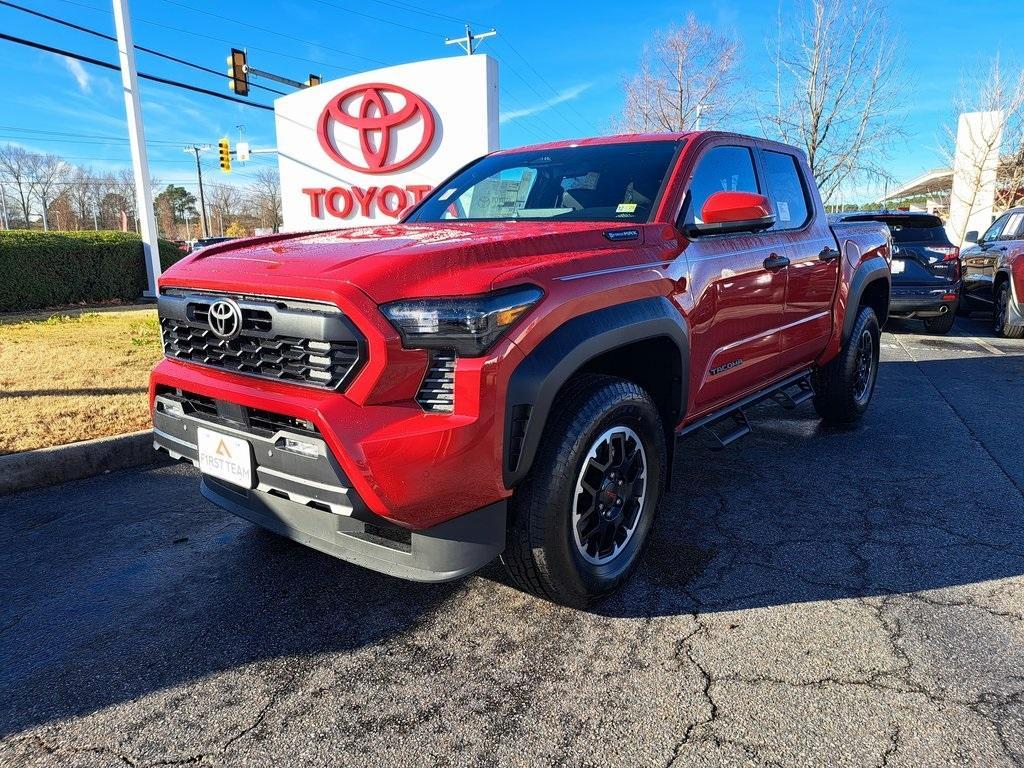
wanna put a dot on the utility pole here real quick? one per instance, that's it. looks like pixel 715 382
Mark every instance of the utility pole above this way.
pixel 470 42
pixel 137 143
pixel 197 148
pixel 3 208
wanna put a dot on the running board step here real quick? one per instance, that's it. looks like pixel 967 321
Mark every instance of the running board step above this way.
pixel 729 425
pixel 739 427
pixel 795 394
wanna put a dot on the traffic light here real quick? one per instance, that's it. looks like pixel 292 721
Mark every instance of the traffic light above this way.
pixel 238 73
pixel 224 148
pixel 314 80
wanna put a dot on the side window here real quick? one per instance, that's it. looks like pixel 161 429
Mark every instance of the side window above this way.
pixel 1012 229
pixel 786 189
pixel 729 169
pixel 993 231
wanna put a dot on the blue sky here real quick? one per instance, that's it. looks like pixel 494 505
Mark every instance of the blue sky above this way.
pixel 561 68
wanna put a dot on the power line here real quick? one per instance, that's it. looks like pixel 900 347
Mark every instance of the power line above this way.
pixel 375 18
pixel 144 76
pixel 232 43
pixel 539 75
pixel 47 133
pixel 269 31
pixel 425 12
pixel 142 48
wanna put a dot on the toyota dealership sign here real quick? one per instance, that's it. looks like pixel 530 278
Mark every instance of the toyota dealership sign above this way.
pixel 363 148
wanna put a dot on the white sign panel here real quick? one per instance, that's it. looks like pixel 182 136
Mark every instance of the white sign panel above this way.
pixel 979 138
pixel 361 149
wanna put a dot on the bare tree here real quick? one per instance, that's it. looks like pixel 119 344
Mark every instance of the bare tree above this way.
pixel 225 201
pixel 50 174
pixel 16 172
pixel 265 198
pixel 82 195
pixel 124 187
pixel 835 91
pixel 686 81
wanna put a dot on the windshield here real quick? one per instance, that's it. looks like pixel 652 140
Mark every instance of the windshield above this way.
pixel 604 182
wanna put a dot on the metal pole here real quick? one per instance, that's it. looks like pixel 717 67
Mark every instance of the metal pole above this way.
pixel 202 198
pixel 137 143
pixel 4 219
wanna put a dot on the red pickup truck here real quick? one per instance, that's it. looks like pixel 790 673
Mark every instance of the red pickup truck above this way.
pixel 507 370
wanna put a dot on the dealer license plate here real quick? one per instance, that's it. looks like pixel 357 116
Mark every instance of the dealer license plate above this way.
pixel 224 457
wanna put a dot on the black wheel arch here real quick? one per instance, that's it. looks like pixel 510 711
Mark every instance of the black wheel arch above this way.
pixel 610 340
pixel 871 285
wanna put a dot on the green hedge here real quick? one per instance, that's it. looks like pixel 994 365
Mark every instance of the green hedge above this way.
pixel 49 269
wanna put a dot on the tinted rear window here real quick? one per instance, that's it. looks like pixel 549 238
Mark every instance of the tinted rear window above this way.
pixel 910 229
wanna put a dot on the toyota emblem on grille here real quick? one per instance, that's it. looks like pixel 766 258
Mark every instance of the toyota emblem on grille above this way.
pixel 225 318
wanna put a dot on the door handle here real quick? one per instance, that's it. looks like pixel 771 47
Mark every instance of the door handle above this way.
pixel 774 262
pixel 828 254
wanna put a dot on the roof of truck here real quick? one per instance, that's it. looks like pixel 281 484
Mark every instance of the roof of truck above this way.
pixel 622 138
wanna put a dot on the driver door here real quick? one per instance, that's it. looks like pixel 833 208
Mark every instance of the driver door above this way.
pixel 738 283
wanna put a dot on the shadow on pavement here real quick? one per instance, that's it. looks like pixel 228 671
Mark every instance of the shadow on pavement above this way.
pixel 910 500
pixel 119 586
pixel 107 599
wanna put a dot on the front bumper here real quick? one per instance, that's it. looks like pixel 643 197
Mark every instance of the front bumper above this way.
pixel 309 498
pixel 922 301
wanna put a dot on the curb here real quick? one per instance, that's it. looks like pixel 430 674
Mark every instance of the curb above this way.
pixel 63 463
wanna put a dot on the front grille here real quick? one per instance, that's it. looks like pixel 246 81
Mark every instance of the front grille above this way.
pixel 296 344
pixel 437 392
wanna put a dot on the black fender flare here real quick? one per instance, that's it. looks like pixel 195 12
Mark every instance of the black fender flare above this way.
pixel 870 270
pixel 537 379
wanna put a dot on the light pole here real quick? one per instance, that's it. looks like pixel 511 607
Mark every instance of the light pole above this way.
pixel 145 219
pixel 204 224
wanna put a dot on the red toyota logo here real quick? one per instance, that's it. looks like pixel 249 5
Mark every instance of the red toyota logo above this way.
pixel 365 110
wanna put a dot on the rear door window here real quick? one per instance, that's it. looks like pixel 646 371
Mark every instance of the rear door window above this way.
pixel 721 169
pixel 1012 229
pixel 786 189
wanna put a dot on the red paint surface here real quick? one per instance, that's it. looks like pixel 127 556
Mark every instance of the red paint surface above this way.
pixel 418 469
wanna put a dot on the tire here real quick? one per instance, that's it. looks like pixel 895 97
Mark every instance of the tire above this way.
pixel 843 388
pixel 596 420
pixel 942 324
pixel 1001 313
pixel 963 307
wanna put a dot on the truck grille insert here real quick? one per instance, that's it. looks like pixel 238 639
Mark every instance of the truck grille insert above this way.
pixel 321 363
pixel 276 339
pixel 437 392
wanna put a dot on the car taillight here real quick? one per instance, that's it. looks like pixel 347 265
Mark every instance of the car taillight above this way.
pixel 949 252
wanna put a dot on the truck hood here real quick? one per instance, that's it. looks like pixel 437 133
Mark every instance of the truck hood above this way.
pixel 397 261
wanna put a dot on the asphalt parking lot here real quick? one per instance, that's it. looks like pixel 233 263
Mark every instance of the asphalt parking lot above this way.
pixel 810 598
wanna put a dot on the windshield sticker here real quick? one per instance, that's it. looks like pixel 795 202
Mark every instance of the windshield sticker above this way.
pixel 626 208
pixel 783 210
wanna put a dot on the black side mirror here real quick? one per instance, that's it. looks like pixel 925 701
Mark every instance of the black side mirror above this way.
pixel 971 237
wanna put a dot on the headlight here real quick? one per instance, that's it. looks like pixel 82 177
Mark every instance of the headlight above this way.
pixel 467 326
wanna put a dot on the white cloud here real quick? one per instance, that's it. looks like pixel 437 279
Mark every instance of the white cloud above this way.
pixel 567 95
pixel 78 72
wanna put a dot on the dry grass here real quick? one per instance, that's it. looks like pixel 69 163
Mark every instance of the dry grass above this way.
pixel 66 379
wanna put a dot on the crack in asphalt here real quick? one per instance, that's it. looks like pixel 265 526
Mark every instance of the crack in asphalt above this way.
pixel 704 712
pixel 894 744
